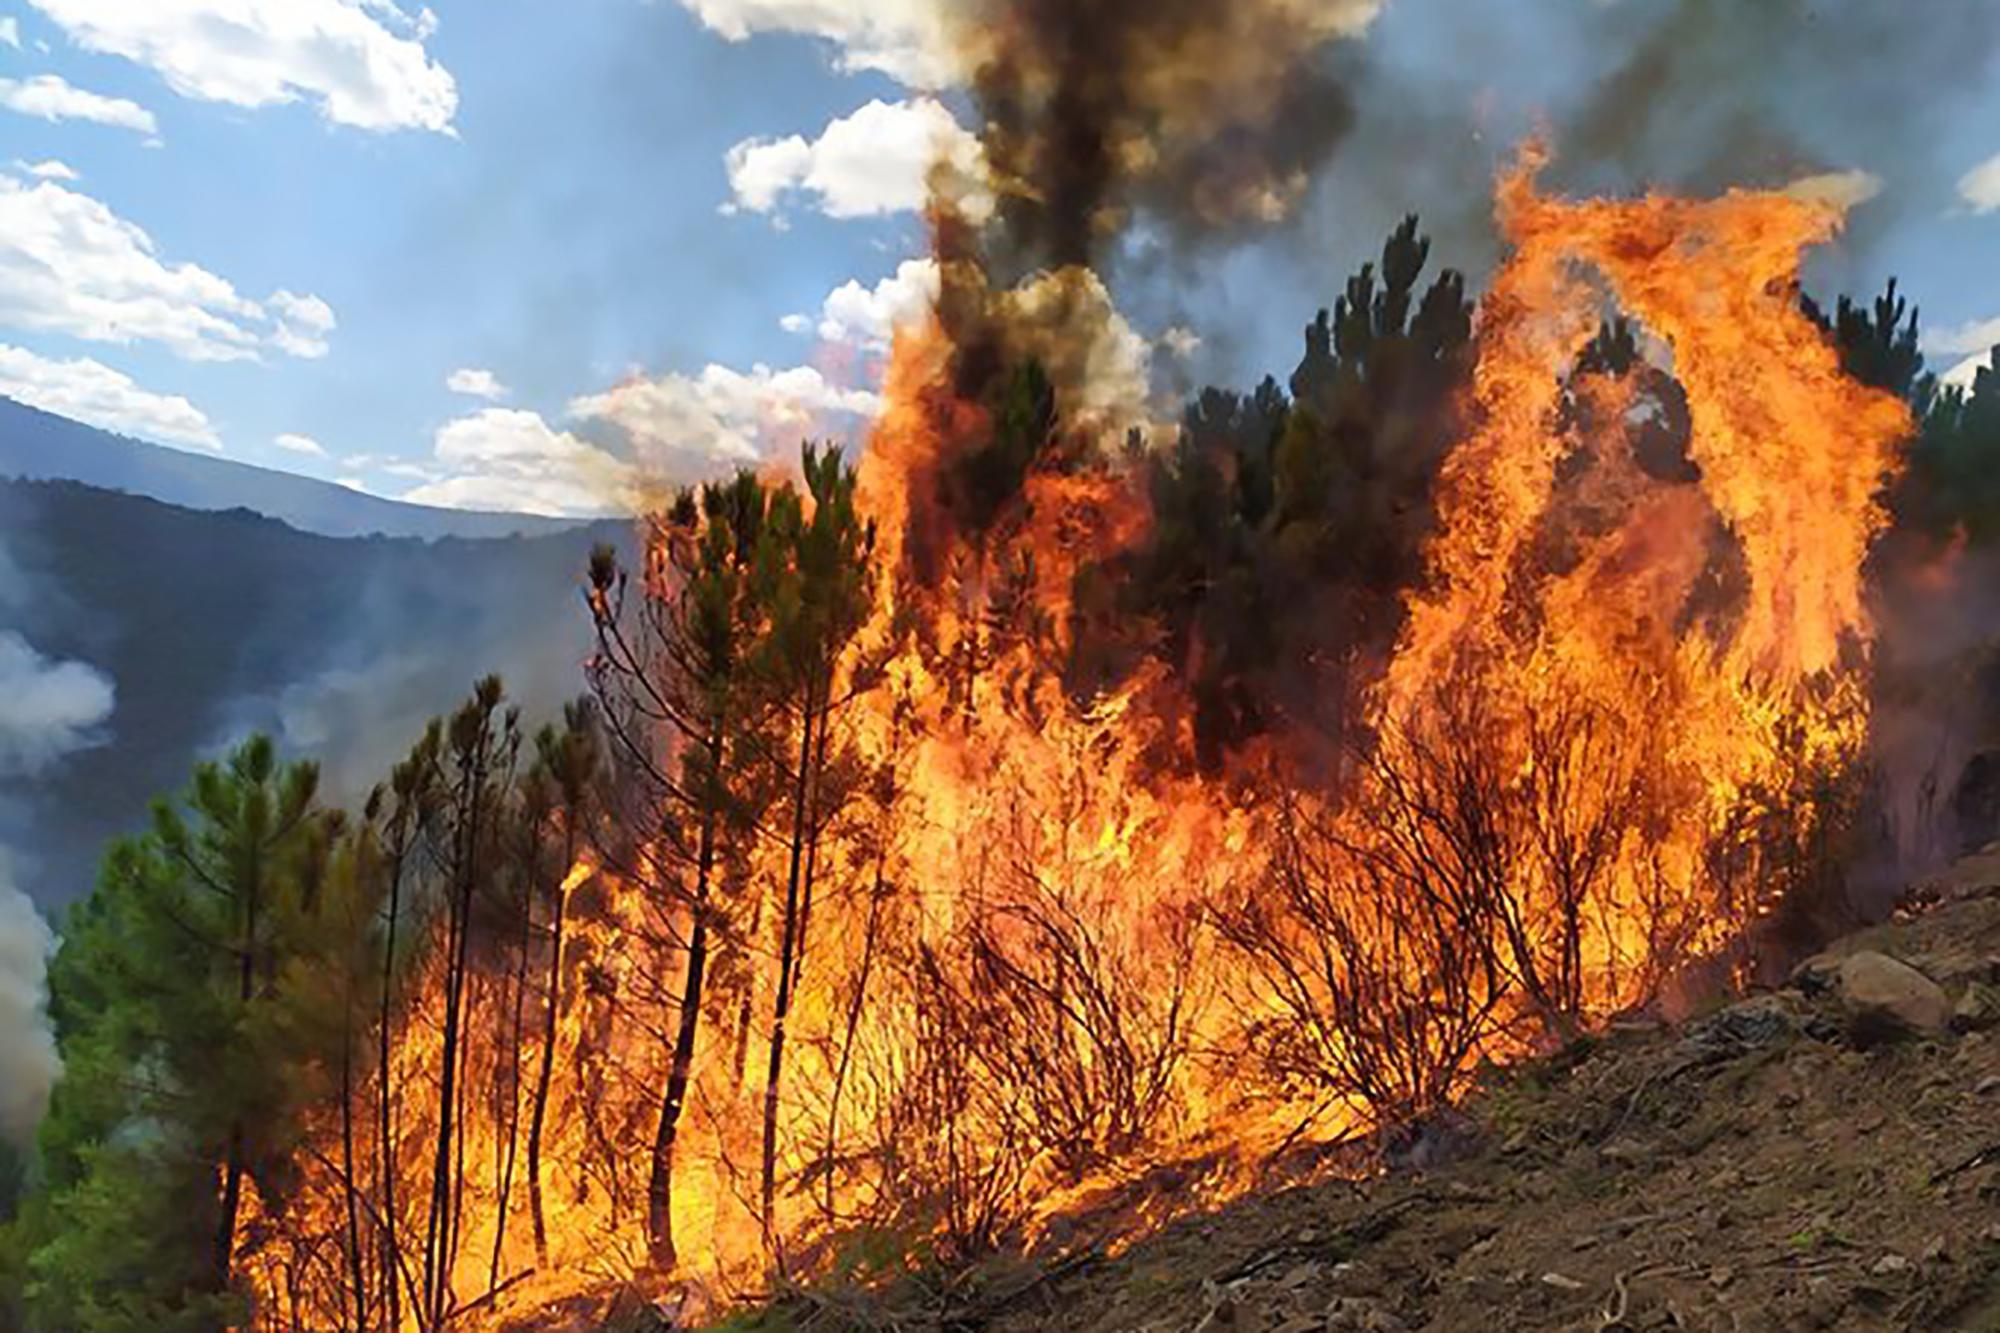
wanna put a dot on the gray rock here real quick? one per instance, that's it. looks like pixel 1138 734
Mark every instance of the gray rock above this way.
pixel 1977 1009
pixel 1764 1020
pixel 1817 975
pixel 1362 1314
pixel 1885 998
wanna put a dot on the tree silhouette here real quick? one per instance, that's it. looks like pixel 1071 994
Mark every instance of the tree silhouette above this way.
pixel 1286 530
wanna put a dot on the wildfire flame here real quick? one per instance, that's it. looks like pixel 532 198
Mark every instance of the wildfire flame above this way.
pixel 1632 656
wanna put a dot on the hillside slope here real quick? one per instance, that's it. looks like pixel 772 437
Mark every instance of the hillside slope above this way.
pixel 40 446
pixel 1783 1163
pixel 211 625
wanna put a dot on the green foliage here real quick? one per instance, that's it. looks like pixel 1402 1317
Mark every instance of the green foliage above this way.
pixel 1953 480
pixel 1950 484
pixel 1285 530
pixel 983 480
pixel 13 1172
pixel 1880 345
pixel 178 997
pixel 821 598
pixel 13 1238
pixel 118 1252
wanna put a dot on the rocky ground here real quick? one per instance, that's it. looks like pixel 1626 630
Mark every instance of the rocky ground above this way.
pixel 1826 1156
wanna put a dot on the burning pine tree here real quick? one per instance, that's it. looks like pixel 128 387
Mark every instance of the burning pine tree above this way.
pixel 1047 817
pixel 879 894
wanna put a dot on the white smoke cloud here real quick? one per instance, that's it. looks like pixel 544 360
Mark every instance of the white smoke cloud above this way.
pixel 47 709
pixel 28 1062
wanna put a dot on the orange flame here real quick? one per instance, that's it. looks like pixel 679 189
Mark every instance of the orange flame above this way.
pixel 1043 847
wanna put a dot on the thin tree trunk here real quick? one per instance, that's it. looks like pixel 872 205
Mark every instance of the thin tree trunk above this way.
pixel 548 1062
pixel 854 1008
pixel 514 1059
pixel 812 833
pixel 787 950
pixel 358 1277
pixel 392 1258
pixel 232 1170
pixel 659 1187
pixel 441 1240
pixel 232 1197
pixel 740 1038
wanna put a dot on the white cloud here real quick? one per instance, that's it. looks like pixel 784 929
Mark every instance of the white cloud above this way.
pixel 1980 187
pixel 68 264
pixel 683 427
pixel 390 465
pixel 54 98
pixel 1962 375
pixel 49 170
pixel 1971 345
pixel 877 161
pixel 476 384
pixel 10 32
pixel 868 317
pixel 362 62
pixel 1182 341
pixel 300 444
pixel 1974 336
pixel 680 428
pixel 906 39
pixel 303 324
pixel 506 459
pixel 92 392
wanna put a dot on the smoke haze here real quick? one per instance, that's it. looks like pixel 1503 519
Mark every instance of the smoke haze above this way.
pixel 48 710
pixel 1207 115
pixel 28 1064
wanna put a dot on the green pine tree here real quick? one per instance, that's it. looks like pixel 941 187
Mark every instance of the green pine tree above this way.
pixel 178 1090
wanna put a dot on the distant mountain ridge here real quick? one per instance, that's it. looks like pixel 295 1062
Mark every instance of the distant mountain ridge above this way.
pixel 41 446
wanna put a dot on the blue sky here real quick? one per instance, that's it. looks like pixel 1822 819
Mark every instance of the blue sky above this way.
pixel 283 229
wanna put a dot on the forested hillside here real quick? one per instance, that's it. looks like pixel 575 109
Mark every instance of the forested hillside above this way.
pixel 212 625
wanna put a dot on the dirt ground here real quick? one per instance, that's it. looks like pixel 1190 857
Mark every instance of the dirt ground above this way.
pixel 1762 1167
